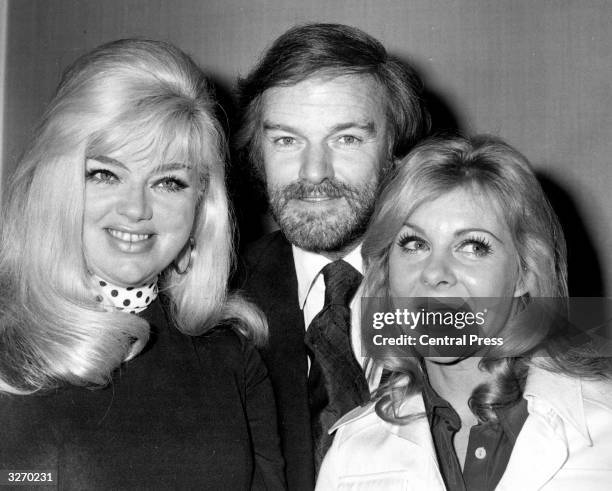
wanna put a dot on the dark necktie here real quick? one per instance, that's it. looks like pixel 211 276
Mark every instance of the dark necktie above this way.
pixel 336 383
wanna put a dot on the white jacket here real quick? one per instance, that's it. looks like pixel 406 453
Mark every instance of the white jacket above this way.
pixel 565 444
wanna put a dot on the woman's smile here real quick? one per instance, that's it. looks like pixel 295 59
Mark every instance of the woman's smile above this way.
pixel 130 243
pixel 127 236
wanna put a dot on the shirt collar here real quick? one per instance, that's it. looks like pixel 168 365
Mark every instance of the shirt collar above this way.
pixel 437 406
pixel 511 418
pixel 544 390
pixel 308 266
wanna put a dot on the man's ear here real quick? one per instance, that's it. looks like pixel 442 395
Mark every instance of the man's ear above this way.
pixel 526 283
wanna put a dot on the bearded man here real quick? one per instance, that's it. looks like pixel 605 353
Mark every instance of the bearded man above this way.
pixel 325 114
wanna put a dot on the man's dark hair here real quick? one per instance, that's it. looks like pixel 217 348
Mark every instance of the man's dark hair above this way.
pixel 333 50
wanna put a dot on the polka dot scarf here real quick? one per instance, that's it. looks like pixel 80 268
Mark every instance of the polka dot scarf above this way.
pixel 133 299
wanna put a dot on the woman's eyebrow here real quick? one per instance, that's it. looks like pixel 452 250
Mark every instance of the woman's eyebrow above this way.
pixel 416 228
pixel 103 159
pixel 464 231
pixel 171 166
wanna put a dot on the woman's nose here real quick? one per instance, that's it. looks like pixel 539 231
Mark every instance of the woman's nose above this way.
pixel 316 165
pixel 438 272
pixel 135 204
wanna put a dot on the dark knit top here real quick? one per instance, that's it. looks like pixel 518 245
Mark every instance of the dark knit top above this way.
pixel 186 413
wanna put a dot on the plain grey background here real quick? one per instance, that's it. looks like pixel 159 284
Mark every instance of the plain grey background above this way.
pixel 535 72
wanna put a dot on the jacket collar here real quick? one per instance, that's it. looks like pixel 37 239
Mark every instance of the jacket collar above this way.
pixel 412 405
pixel 416 431
pixel 555 403
pixel 545 390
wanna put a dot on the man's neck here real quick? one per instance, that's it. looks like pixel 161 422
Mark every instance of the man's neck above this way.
pixel 342 252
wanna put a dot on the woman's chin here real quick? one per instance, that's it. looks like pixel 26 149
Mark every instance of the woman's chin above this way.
pixel 127 278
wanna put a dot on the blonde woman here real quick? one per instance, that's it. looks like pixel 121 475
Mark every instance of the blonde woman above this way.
pixel 124 363
pixel 466 218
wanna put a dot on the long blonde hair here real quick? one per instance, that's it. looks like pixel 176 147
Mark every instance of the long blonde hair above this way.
pixel 493 167
pixel 52 330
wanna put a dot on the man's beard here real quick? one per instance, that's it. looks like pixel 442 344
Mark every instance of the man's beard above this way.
pixel 323 230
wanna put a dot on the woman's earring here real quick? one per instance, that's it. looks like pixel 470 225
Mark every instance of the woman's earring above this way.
pixel 184 270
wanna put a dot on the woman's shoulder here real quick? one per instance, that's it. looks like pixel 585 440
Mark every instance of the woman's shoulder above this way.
pixel 228 347
pixel 357 432
pixel 223 337
pixel 561 388
pixel 360 422
pixel 365 419
pixel 583 404
pixel 361 415
pixel 598 392
pixel 372 453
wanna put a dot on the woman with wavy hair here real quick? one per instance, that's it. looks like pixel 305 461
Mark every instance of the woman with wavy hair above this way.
pixel 116 246
pixel 463 227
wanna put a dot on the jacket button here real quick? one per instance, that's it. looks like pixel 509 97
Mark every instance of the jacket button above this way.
pixel 480 453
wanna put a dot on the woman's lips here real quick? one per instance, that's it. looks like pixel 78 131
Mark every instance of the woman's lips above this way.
pixel 127 236
pixel 129 242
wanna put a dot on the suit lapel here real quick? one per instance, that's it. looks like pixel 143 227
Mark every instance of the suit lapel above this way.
pixel 272 283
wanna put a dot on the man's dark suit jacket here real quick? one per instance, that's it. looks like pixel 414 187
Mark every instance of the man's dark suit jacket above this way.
pixel 271 282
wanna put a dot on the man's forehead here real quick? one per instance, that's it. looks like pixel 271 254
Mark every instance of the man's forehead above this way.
pixel 322 82
pixel 348 98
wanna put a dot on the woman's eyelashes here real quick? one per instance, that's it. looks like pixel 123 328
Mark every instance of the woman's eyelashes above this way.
pixel 412 243
pixel 476 246
pixel 101 176
pixel 171 184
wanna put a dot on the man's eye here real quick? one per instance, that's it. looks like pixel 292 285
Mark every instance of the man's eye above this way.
pixel 101 176
pixel 349 140
pixel 284 141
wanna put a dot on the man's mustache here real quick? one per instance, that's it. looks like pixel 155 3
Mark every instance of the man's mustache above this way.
pixel 329 188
